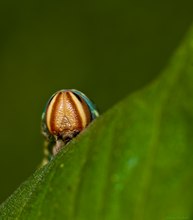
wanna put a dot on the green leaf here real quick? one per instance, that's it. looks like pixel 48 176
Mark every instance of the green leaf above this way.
pixel 134 162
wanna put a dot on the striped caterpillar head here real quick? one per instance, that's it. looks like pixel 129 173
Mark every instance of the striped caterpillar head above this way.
pixel 66 114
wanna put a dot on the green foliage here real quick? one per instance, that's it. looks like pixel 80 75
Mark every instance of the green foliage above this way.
pixel 134 162
pixel 96 47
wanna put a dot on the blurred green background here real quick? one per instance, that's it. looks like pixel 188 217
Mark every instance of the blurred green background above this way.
pixel 106 49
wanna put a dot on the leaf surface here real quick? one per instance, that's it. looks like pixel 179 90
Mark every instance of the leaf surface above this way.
pixel 134 162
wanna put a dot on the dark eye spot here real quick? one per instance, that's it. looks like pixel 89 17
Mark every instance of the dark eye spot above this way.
pixel 67 139
pixel 76 133
pixel 71 136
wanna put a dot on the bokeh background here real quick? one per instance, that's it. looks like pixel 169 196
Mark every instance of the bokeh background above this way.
pixel 107 49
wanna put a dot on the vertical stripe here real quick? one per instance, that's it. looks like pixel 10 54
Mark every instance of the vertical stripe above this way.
pixel 51 112
pixel 70 98
pixel 82 108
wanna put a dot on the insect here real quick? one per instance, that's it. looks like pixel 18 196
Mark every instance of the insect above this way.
pixel 66 114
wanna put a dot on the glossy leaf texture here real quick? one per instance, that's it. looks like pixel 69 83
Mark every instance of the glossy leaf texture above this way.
pixel 133 162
